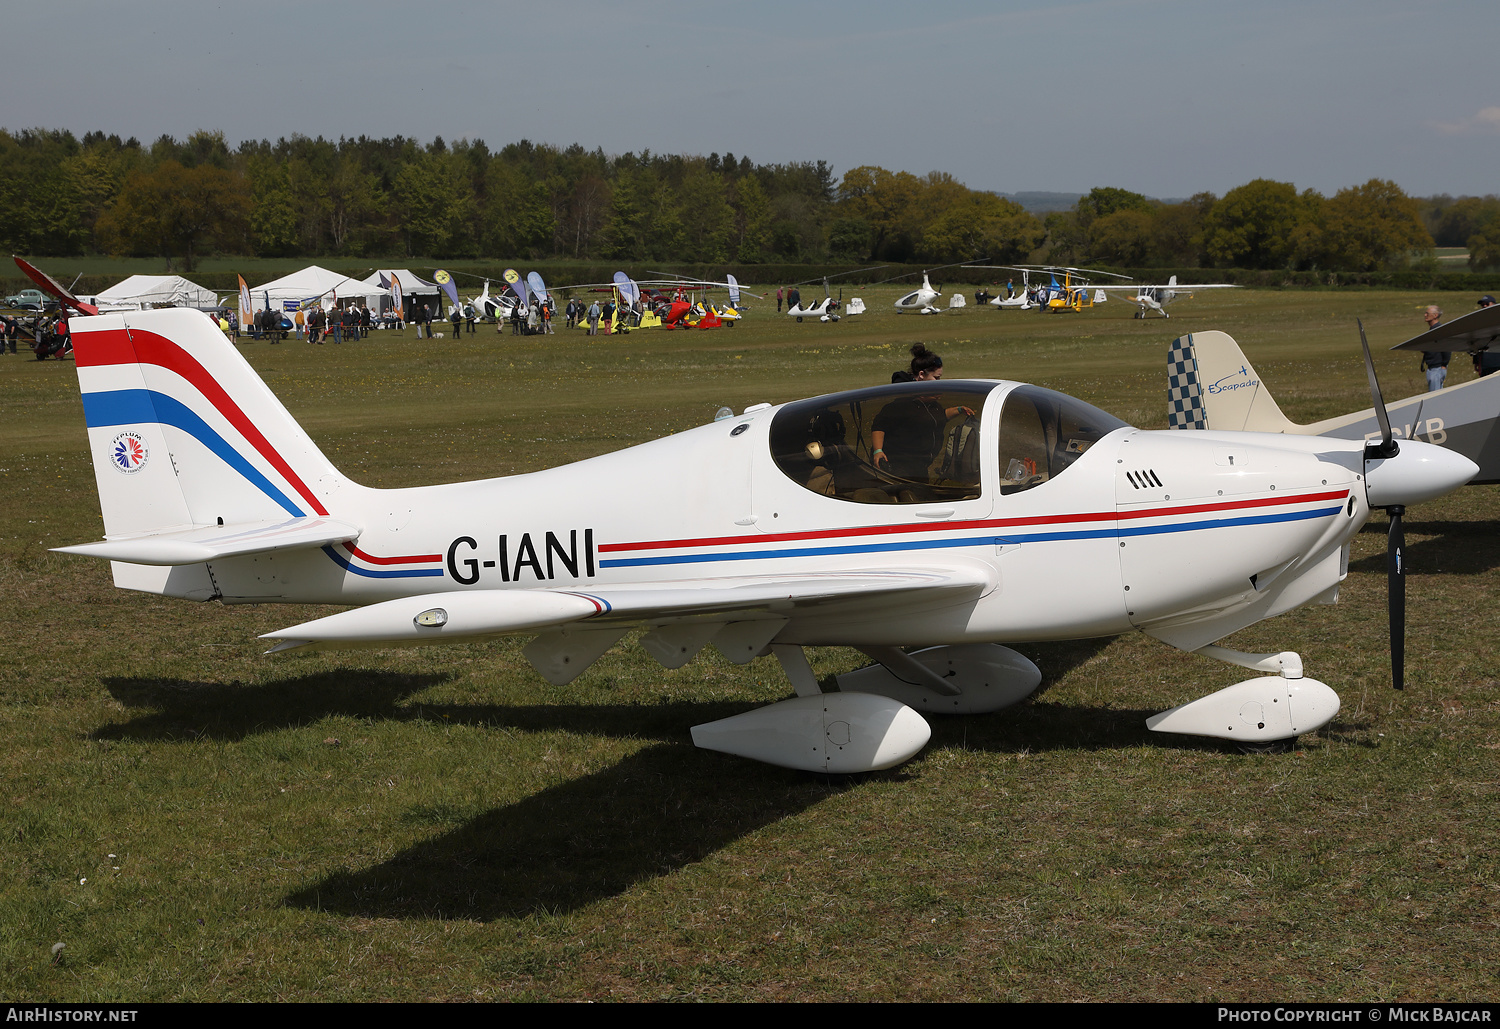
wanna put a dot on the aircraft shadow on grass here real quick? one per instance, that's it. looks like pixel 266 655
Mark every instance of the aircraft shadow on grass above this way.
pixel 185 709
pixel 667 806
pixel 578 842
pixel 1453 548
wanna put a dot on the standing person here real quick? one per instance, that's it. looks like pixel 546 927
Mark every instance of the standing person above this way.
pixel 778 299
pixel 1486 362
pixel 456 319
pixel 1435 362
pixel 793 298
pixel 515 319
pixel 594 313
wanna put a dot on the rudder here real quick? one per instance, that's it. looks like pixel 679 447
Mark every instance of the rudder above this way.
pixel 1211 385
pixel 182 430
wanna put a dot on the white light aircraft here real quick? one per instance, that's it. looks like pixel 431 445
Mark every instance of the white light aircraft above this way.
pixel 999 512
pixel 919 300
pixel 828 309
pixel 825 310
pixel 1213 385
pixel 1156 298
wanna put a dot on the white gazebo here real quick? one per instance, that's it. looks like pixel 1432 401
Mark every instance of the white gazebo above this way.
pixel 143 292
pixel 309 283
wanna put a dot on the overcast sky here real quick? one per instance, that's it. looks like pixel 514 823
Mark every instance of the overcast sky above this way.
pixel 1164 97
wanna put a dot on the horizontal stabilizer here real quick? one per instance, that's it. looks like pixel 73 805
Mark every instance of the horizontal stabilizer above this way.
pixel 215 542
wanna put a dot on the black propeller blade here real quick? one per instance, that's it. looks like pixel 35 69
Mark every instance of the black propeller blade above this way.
pixel 1396 539
pixel 1387 446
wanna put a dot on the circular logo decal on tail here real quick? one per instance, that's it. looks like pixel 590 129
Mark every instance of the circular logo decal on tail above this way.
pixel 128 451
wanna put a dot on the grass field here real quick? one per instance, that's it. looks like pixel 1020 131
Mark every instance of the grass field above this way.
pixel 196 821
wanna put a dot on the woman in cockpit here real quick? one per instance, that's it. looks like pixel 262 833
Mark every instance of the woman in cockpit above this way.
pixel 908 433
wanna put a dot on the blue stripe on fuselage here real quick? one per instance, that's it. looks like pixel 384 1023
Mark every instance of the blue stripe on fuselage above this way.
pixel 971 541
pixel 348 566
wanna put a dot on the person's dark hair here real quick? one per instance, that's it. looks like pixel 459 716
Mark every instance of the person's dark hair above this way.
pixel 923 360
pixel 902 375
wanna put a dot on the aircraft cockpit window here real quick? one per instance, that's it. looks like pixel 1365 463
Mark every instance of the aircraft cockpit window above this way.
pixel 1042 433
pixel 909 443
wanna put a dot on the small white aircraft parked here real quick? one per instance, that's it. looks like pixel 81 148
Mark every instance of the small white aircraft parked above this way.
pixel 826 310
pixel 919 300
pixel 999 512
pixel 1156 298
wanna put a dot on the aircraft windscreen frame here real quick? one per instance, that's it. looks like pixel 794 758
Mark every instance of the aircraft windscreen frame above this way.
pixel 1042 432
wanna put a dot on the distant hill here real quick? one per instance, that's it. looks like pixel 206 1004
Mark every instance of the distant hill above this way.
pixel 1039 202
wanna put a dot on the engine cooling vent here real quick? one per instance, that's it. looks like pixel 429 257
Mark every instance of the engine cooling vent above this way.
pixel 1144 479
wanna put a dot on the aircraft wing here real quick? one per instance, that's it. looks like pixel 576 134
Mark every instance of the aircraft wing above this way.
pixel 463 616
pixel 1473 332
pixel 1178 288
pixel 215 542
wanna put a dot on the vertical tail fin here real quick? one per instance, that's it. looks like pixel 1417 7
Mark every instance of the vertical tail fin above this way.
pixel 184 433
pixel 1211 385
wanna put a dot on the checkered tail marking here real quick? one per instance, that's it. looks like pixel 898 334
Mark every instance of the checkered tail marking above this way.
pixel 1184 389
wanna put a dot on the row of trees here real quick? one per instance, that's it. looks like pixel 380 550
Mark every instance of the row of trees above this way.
pixel 1268 224
pixel 314 197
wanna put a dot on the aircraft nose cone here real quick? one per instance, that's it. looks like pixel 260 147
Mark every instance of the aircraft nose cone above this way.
pixel 1419 472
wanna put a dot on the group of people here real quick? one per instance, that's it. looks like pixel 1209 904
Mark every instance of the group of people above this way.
pixel 49 335
pixel 594 314
pixel 1435 362
pixel 533 319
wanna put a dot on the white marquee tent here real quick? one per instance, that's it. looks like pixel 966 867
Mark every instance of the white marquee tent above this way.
pixel 142 292
pixel 410 284
pixel 310 282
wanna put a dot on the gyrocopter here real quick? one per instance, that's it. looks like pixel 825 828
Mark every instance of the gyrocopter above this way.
pixel 999 512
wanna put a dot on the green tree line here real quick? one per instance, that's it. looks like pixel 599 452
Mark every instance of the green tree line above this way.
pixel 61 196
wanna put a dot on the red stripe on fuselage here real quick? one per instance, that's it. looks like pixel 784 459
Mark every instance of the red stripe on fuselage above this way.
pixel 987 523
pixel 419 559
pixel 137 346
